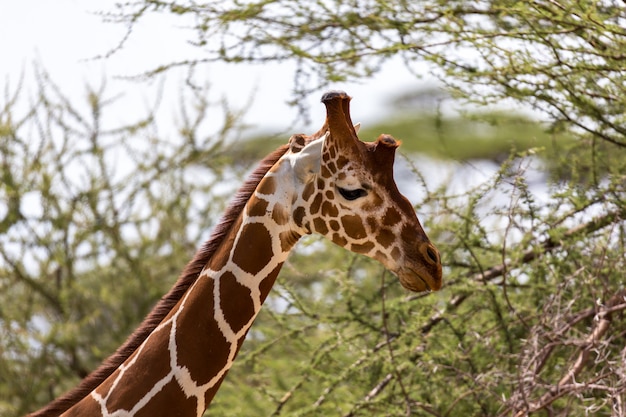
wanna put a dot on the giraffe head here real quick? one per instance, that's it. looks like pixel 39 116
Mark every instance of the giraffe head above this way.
pixel 347 193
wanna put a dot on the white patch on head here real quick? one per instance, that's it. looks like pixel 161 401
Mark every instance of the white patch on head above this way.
pixel 306 163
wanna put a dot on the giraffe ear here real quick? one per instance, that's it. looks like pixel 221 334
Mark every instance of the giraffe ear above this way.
pixel 383 152
pixel 306 163
pixel 357 127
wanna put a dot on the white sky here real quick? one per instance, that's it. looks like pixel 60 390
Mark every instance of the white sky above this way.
pixel 64 36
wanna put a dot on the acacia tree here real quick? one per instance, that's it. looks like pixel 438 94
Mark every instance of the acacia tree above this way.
pixel 530 320
pixel 563 57
pixel 95 223
pixel 534 304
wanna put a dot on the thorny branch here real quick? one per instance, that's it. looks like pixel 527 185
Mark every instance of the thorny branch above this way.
pixel 568 383
pixel 616 303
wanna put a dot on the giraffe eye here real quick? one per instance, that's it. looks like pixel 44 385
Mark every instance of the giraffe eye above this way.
pixel 352 194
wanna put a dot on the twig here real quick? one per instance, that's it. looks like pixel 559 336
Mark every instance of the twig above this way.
pixel 392 357
pixel 568 381
pixel 372 394
pixel 496 271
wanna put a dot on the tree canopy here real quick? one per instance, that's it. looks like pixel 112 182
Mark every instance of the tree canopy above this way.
pixel 565 58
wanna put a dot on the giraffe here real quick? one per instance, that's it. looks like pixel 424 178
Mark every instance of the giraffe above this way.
pixel 329 183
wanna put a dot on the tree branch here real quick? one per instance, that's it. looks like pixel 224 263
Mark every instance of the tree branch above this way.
pixel 568 381
pixel 497 271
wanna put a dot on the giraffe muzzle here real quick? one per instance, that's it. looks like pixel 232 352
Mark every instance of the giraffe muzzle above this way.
pixel 423 274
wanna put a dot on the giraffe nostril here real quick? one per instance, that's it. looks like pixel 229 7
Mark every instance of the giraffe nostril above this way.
pixel 432 254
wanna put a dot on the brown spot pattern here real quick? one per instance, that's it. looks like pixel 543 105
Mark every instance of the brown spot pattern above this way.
pixel 267 186
pixel 254 248
pixel 342 161
pixel 391 217
pixel 298 215
pixel 170 401
pixel 104 388
pixel 150 367
pixel 309 188
pixel 236 301
pixel 385 237
pixel 280 216
pixel 208 396
pixel 339 240
pixel 353 227
pixel 316 204
pixel 268 282
pixel 257 207
pixel 329 209
pixel 408 234
pixel 287 240
pixel 362 248
pixel 222 254
pixel 319 226
pixel 202 348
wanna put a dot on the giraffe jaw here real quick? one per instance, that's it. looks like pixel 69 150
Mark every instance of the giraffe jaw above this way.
pixel 418 280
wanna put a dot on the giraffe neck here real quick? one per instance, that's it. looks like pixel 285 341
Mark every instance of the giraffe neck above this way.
pixel 182 363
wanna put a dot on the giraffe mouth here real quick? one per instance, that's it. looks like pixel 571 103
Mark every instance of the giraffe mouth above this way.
pixel 418 280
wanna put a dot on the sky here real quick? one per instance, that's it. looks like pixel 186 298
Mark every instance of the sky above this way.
pixel 66 36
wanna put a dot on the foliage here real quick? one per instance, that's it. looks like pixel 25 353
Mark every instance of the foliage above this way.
pixel 565 58
pixel 531 318
pixel 96 222
pixel 486 136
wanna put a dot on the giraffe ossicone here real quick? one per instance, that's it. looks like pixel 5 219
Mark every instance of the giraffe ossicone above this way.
pixel 329 183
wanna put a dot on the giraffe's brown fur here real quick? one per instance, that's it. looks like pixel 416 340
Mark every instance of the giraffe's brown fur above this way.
pixel 330 183
pixel 169 300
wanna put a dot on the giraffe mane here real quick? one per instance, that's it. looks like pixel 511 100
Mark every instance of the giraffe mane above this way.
pixel 169 300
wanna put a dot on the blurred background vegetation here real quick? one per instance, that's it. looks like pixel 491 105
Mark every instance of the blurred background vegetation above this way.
pixel 97 219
